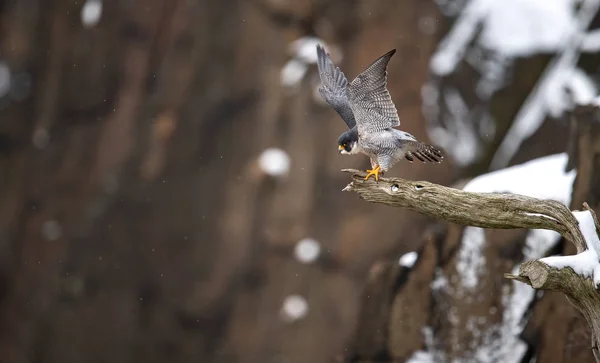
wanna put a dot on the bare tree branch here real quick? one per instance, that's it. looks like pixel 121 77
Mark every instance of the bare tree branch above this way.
pixel 485 210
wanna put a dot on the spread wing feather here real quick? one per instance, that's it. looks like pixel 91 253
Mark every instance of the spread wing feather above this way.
pixel 370 99
pixel 333 87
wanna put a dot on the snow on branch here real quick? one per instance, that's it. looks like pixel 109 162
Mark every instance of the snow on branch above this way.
pixel 585 263
pixel 555 272
pixel 575 276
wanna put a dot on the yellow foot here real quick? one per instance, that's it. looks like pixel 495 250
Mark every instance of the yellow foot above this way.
pixel 375 172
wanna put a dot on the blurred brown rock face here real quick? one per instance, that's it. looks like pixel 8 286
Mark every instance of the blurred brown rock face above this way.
pixel 159 170
pixel 137 222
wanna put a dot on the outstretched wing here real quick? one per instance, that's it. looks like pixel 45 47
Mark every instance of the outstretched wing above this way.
pixel 333 87
pixel 420 151
pixel 369 98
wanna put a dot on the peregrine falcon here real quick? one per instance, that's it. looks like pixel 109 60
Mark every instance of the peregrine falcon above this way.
pixel 367 108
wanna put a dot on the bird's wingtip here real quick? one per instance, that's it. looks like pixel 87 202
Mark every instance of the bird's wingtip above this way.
pixel 321 49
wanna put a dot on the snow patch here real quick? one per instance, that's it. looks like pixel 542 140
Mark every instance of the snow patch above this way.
pixel 294 307
pixel 304 49
pixel 585 263
pixel 430 355
pixel 591 41
pixel 304 53
pixel 408 259
pixel 274 162
pixel 470 259
pixel 581 91
pixel 293 72
pixel 307 250
pixel 440 282
pixel 466 151
pixel 421 356
pixel 542 178
pixel 91 13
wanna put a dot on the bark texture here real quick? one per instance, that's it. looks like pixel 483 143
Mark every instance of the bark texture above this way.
pixel 484 210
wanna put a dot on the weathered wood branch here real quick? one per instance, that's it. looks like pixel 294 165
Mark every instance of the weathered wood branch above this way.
pixel 579 290
pixel 485 210
pixel 498 210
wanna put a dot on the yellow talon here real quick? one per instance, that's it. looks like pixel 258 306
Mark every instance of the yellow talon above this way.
pixel 375 172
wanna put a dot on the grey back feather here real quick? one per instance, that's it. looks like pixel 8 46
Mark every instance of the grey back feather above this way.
pixel 370 100
pixel 333 87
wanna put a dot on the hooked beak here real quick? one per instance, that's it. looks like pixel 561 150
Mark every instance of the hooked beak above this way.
pixel 340 148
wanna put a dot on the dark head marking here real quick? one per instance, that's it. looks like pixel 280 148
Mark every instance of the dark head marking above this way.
pixel 348 139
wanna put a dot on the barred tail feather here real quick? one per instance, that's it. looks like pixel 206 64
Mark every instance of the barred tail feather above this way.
pixel 423 152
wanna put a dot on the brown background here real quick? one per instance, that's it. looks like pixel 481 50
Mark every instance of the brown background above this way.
pixel 135 225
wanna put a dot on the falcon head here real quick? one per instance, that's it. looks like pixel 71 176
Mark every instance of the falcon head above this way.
pixel 348 142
